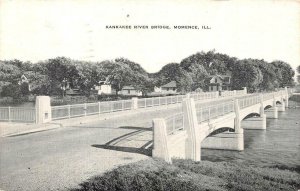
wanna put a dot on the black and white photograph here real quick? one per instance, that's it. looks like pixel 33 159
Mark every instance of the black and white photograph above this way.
pixel 169 95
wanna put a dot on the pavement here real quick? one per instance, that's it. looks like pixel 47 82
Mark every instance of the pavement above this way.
pixel 62 158
pixel 55 158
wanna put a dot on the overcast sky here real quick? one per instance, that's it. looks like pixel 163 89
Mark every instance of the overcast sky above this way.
pixel 40 29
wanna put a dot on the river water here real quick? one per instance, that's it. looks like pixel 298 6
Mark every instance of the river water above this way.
pixel 277 146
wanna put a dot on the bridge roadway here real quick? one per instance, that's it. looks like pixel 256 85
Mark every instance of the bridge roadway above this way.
pixel 62 158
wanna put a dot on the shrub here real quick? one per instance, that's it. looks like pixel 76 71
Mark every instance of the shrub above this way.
pixel 189 175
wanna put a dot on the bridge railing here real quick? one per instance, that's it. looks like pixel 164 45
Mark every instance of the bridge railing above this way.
pixel 204 95
pixel 174 123
pixel 77 110
pixel 18 114
pixel 240 92
pixel 246 102
pixel 228 93
pixel 210 112
pixel 268 96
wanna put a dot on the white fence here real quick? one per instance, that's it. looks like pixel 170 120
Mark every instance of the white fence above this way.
pixel 77 110
pixel 174 123
pixel 214 111
pixel 18 114
pixel 206 113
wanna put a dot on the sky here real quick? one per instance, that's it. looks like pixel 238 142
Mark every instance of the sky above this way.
pixel 36 30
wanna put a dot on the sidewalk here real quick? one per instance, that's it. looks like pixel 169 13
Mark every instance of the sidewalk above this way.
pixel 13 129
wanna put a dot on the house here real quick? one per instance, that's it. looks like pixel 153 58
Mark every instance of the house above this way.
pixel 218 83
pixel 130 91
pixel 169 88
pixel 103 87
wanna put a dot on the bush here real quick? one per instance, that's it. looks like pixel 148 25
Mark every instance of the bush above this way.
pixel 189 175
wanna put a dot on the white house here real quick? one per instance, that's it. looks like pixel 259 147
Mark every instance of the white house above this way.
pixel 130 91
pixel 103 89
pixel 169 88
pixel 218 83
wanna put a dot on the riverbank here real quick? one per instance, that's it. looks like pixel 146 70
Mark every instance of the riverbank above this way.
pixel 188 175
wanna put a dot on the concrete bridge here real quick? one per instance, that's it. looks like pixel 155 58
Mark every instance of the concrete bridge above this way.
pixel 217 126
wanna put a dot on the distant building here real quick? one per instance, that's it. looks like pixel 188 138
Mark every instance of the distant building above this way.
pixel 103 89
pixel 24 79
pixel 218 83
pixel 169 88
pixel 130 91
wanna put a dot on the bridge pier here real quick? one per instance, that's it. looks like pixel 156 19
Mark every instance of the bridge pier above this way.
pixel 281 107
pixel 255 122
pixel 272 113
pixel 286 97
pixel 224 141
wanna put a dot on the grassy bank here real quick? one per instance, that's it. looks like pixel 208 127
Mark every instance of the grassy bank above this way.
pixel 188 175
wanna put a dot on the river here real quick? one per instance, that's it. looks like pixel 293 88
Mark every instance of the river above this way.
pixel 277 146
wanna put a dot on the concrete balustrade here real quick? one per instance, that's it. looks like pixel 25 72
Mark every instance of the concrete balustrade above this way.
pixel 196 135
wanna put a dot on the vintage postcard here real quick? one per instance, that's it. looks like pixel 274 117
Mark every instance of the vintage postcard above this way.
pixel 149 95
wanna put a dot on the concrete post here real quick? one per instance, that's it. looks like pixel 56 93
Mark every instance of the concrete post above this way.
pixel 272 113
pixel 160 140
pixel 193 144
pixel 217 94
pixel 43 109
pixel 281 107
pixel 237 126
pixel 275 109
pixel 188 95
pixel 134 102
pixel 262 109
pixel 245 90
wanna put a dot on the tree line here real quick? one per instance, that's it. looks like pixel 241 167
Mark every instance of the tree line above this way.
pixel 48 77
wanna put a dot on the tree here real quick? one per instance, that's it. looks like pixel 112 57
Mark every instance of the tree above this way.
pixel 174 72
pixel 198 75
pixel 11 90
pixel 61 71
pixel 285 72
pixel 246 74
